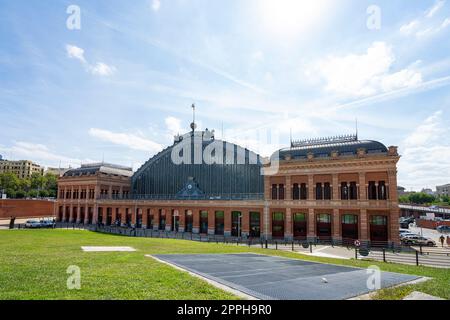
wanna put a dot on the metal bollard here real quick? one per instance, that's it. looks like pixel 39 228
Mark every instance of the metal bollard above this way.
pixel 292 245
pixel 384 255
pixel 417 258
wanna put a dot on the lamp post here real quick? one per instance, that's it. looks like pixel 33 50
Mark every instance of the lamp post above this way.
pixel 239 225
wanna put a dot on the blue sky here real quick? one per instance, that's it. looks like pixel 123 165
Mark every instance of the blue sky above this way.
pixel 121 86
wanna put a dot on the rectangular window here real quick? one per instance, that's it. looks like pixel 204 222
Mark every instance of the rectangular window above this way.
pixel 349 219
pixel 324 218
pixel 299 217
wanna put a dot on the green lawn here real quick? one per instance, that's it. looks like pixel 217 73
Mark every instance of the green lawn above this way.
pixel 33 265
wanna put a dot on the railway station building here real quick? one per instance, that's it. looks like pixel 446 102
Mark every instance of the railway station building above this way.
pixel 338 189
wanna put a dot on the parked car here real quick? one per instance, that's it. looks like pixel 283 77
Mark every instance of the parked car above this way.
pixel 47 223
pixel 402 231
pixel 443 229
pixel 418 240
pixel 33 224
pixel 408 234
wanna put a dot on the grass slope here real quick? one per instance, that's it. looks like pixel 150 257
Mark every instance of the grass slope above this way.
pixel 33 265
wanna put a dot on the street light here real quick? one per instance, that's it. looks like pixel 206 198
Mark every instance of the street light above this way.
pixel 239 225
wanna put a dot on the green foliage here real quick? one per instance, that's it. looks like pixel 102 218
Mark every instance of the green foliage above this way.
pixel 420 198
pixel 37 185
pixel 20 194
pixel 403 199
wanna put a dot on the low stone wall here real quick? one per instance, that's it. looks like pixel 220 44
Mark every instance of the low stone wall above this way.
pixel 26 208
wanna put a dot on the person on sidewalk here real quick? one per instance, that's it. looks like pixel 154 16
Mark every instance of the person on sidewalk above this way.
pixel 442 238
pixel 448 241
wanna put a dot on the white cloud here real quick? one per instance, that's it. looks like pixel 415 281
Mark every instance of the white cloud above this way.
pixel 366 74
pixel 156 4
pixel 401 79
pixel 102 69
pixel 98 69
pixel 75 52
pixel 434 9
pixel 446 23
pixel 173 125
pixel 429 26
pixel 128 140
pixel 409 27
pixel 40 154
pixel 425 154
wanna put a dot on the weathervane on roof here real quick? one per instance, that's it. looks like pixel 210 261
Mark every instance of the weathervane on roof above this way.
pixel 193 125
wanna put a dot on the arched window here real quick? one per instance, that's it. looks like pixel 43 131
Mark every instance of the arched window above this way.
pixel 344 191
pixel 319 191
pixel 372 191
pixel 353 191
pixel 327 191
pixel 295 192
pixel 281 191
pixel 381 190
pixel 303 192
pixel 274 192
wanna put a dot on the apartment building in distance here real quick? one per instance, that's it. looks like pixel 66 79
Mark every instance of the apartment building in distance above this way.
pixel 443 190
pixel 21 168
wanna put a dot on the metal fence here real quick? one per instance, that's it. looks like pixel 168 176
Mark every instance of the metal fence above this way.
pixel 379 251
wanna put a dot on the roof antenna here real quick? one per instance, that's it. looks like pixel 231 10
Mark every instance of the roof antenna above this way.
pixel 193 125
pixel 356 128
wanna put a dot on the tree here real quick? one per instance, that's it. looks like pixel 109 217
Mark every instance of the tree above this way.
pixel 33 193
pixel 9 181
pixel 37 181
pixel 421 198
pixel 20 194
pixel 11 193
pixel 51 182
pixel 43 193
pixel 403 199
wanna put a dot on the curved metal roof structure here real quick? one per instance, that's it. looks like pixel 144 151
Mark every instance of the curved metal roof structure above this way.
pixel 322 148
pixel 210 169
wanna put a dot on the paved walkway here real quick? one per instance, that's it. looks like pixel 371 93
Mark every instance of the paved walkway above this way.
pixel 270 277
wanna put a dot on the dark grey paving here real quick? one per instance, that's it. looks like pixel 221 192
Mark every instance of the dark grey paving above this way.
pixel 268 277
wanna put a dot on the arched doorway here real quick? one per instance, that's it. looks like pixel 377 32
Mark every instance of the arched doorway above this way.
pixel 255 225
pixel 149 219
pixel 219 222
pixel 349 226
pixel 236 223
pixel 299 225
pixel 324 225
pixel 189 221
pixel 108 216
pixel 278 225
pixel 162 219
pixel 204 221
pixel 378 228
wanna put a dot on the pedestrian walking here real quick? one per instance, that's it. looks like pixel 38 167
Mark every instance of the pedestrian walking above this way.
pixel 442 238
pixel 448 241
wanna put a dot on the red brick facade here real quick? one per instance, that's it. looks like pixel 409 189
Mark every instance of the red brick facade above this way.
pixel 338 198
pixel 26 208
